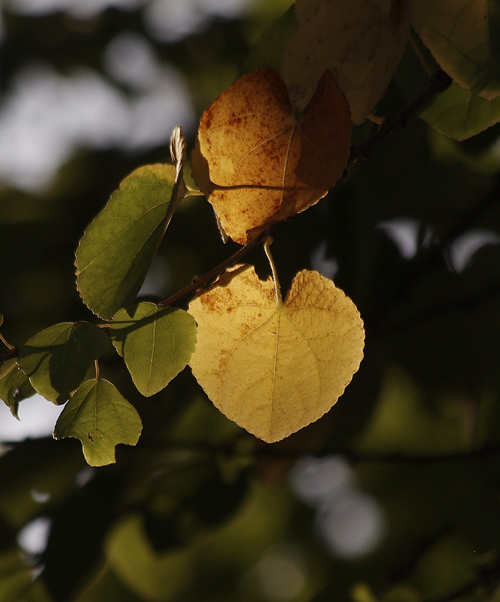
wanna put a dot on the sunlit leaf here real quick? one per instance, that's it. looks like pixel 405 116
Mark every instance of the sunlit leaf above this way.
pixel 463 36
pixel 56 360
pixel 360 42
pixel 461 114
pixel 101 418
pixel 155 342
pixel 118 247
pixel 275 367
pixel 14 385
pixel 257 164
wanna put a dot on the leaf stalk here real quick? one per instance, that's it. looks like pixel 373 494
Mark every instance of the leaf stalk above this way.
pixel 277 288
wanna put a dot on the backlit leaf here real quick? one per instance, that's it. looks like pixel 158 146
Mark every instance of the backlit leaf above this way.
pixel 361 42
pixel 464 38
pixel 155 342
pixel 275 367
pixel 56 360
pixel 257 164
pixel 118 247
pixel 101 418
pixel 461 114
pixel 14 385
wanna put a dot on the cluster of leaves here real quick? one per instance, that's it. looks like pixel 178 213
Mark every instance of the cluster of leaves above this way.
pixel 258 165
pixel 268 148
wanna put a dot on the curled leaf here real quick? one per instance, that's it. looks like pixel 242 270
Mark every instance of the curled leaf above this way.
pixel 257 164
pixel 275 367
pixel 361 42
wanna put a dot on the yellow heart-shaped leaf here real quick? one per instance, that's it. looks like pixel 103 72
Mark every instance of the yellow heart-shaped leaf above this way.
pixel 274 367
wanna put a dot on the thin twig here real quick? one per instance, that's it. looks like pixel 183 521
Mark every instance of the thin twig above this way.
pixel 439 83
pixel 8 355
pixel 206 279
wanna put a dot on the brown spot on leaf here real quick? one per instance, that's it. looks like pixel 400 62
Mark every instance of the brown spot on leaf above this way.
pixel 262 166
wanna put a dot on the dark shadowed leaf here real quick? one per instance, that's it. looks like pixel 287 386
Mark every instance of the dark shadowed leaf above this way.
pixel 463 38
pixel 57 359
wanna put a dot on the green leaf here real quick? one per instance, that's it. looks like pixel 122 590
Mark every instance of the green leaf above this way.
pixel 101 418
pixel 14 385
pixel 118 247
pixel 57 359
pixel 461 114
pixel 464 38
pixel 268 52
pixel 156 344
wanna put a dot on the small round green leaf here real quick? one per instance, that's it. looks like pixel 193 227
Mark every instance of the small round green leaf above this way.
pixel 101 418
pixel 156 344
pixel 461 114
pixel 118 247
pixel 56 360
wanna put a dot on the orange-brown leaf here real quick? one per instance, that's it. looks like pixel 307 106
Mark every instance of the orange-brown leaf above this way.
pixel 257 164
